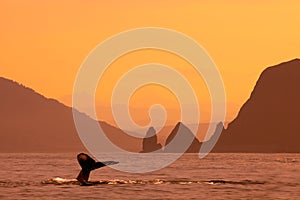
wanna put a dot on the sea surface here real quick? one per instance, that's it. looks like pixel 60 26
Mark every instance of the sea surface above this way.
pixel 217 176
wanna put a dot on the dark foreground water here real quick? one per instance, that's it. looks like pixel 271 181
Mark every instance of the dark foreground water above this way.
pixel 218 176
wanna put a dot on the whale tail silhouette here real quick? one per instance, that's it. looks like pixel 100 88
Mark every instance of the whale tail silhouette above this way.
pixel 87 165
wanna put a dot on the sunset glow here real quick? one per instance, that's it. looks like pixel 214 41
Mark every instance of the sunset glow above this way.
pixel 43 44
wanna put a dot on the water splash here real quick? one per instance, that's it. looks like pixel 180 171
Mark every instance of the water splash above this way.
pixel 62 181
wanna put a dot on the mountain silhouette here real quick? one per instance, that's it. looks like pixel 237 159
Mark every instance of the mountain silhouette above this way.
pixel 150 141
pixel 181 139
pixel 269 120
pixel 30 122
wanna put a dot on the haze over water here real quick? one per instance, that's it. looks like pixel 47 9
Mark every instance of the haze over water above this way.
pixel 218 176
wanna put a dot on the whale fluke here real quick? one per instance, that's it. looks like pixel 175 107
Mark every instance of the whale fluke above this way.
pixel 87 165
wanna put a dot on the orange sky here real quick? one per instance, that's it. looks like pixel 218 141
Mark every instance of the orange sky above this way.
pixel 43 43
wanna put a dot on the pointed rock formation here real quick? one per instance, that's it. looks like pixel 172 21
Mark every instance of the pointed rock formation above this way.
pixel 150 141
pixel 269 120
pixel 182 139
pixel 208 146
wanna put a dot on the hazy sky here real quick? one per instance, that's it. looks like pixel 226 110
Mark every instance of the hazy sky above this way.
pixel 43 43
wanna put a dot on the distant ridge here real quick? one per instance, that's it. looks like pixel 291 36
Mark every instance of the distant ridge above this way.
pixel 30 122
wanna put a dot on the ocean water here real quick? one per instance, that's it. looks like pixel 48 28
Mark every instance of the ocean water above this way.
pixel 217 176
